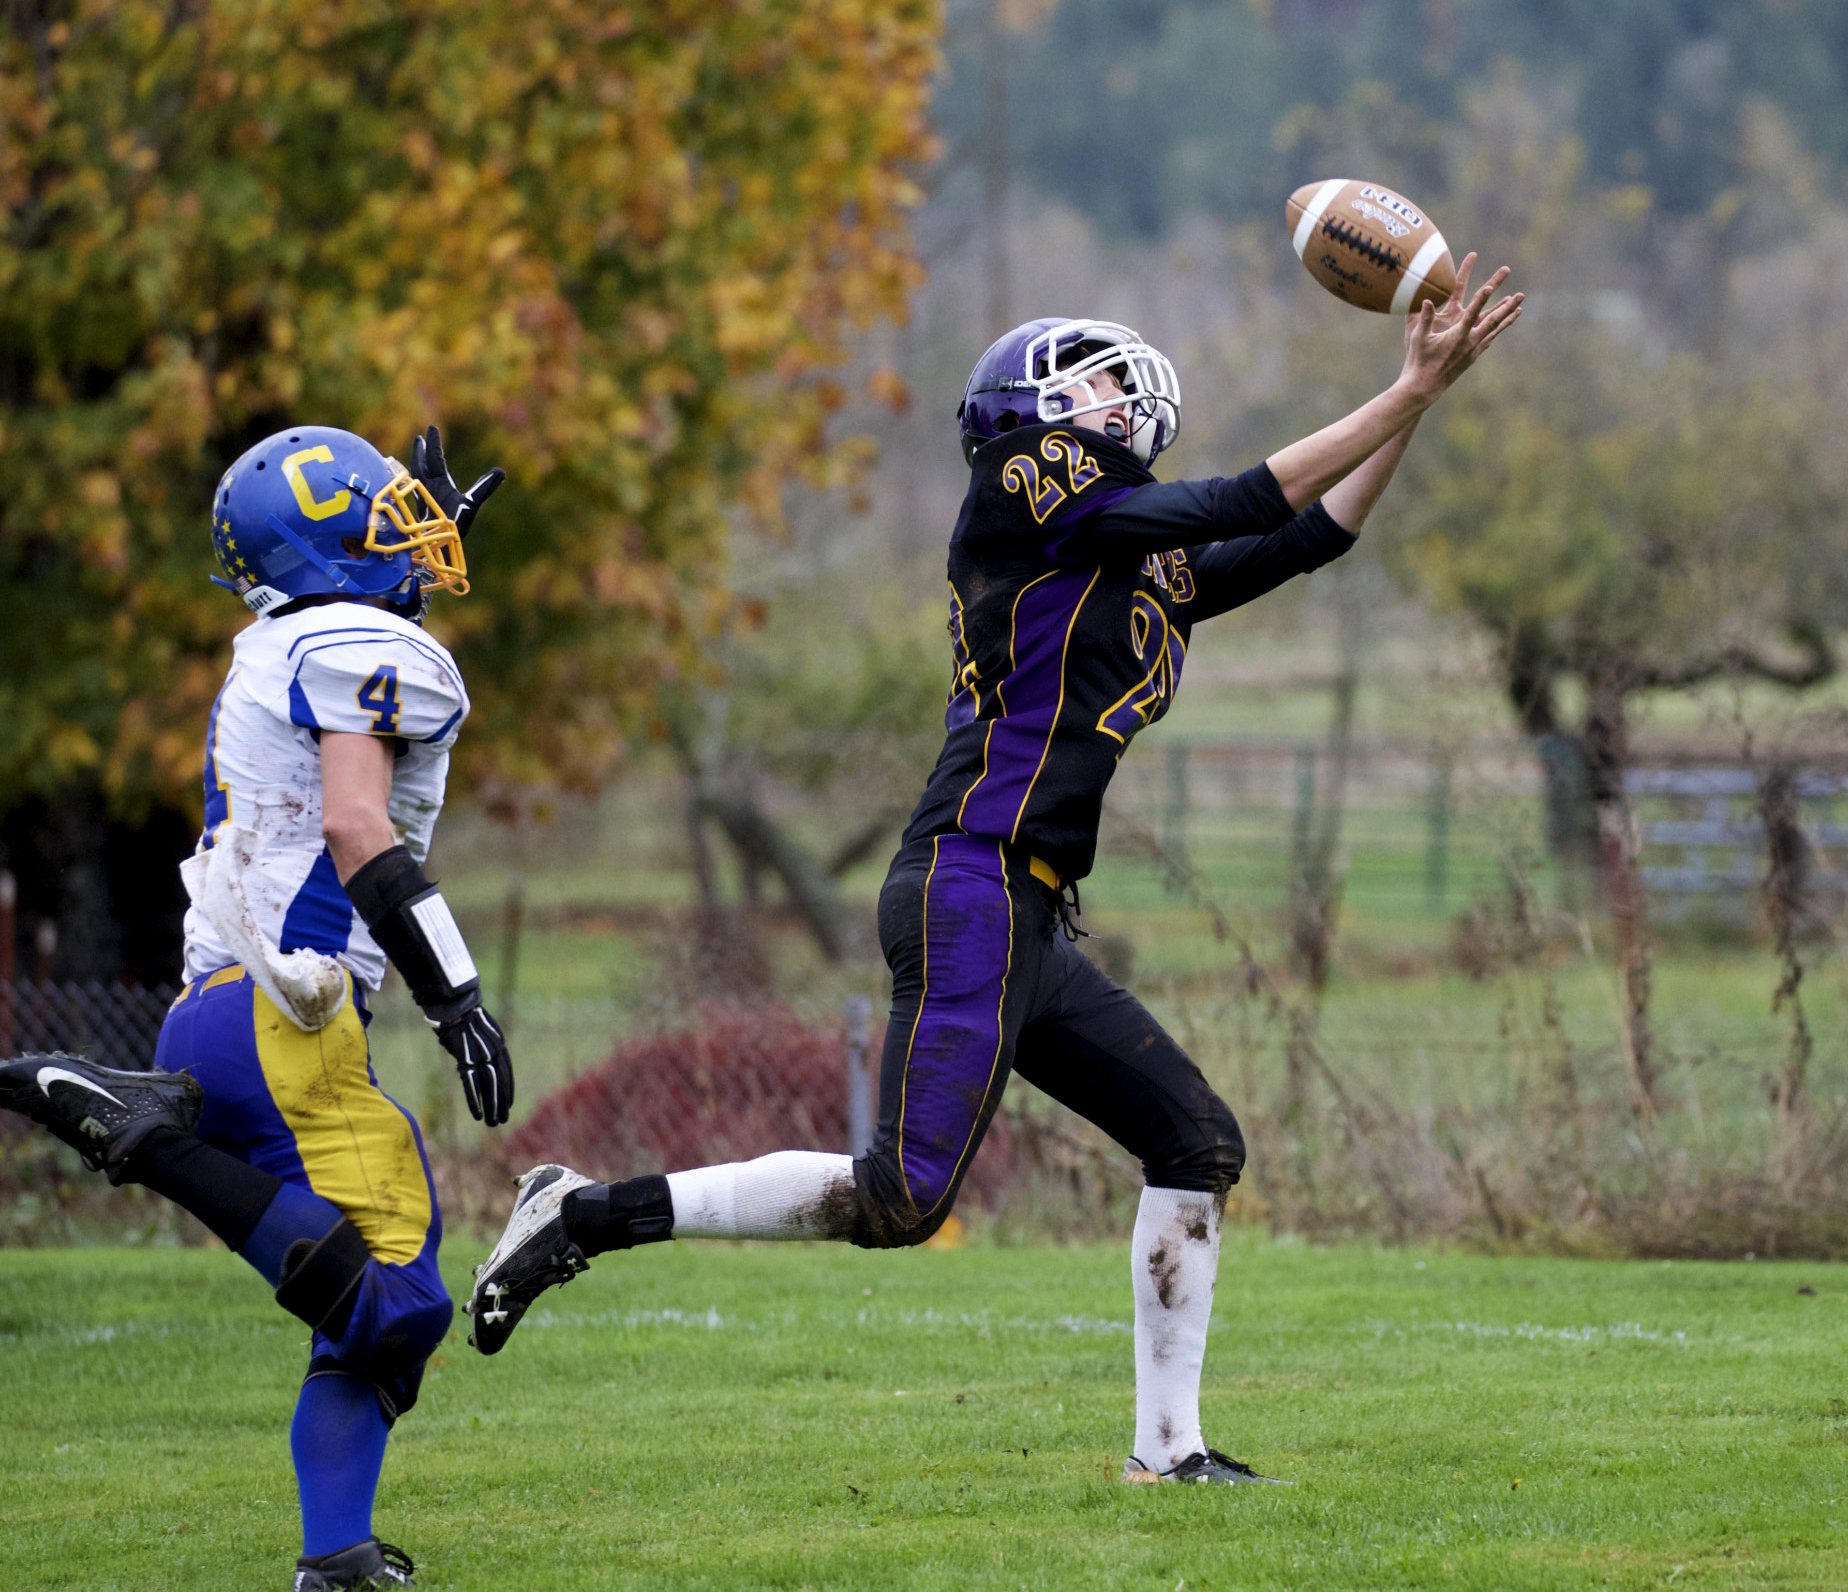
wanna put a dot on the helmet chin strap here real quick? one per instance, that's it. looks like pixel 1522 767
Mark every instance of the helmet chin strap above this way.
pixel 336 570
pixel 308 554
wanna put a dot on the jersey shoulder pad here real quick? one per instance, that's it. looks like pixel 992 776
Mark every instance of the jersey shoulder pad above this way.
pixel 1033 485
pixel 373 674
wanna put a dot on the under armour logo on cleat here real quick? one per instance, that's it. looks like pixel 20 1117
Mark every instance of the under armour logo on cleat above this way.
pixel 47 1076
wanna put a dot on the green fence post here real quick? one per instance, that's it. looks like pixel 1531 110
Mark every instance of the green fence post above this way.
pixel 1437 832
pixel 1302 821
pixel 1174 810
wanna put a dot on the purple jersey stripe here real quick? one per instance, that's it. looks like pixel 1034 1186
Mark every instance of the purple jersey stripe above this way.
pixel 1080 510
pixel 1032 694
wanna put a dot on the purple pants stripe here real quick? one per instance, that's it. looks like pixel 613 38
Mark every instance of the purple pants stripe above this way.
pixel 956 1056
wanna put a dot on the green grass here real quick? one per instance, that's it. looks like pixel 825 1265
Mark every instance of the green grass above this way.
pixel 709 1416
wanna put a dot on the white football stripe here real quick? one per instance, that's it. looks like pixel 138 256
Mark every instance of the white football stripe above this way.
pixel 1313 213
pixel 1434 248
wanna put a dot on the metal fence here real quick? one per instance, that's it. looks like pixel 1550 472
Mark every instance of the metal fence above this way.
pixel 115 1024
pixel 1704 835
pixel 1421 825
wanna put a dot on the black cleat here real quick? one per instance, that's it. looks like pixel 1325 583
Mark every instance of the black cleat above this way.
pixel 100 1112
pixel 1211 1467
pixel 533 1254
pixel 369 1563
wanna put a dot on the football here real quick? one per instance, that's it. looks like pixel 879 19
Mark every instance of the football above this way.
pixel 1370 246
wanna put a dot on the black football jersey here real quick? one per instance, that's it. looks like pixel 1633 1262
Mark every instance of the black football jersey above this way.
pixel 1075 580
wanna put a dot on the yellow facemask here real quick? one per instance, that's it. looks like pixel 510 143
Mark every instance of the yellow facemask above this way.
pixel 405 507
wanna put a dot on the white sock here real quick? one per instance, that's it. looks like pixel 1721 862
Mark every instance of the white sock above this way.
pixel 1174 1261
pixel 791 1194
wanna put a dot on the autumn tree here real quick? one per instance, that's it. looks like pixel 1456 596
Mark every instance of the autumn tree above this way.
pixel 614 249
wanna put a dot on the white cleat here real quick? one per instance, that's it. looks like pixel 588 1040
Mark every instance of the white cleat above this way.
pixel 533 1255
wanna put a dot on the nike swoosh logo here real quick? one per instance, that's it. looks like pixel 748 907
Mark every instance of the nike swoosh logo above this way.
pixel 47 1076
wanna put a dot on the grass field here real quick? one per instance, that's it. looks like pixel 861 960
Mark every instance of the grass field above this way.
pixel 707 1416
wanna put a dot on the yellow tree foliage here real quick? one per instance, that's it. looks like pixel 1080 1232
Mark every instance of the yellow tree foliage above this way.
pixel 613 248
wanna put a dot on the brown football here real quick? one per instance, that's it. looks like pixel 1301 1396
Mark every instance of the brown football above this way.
pixel 1370 246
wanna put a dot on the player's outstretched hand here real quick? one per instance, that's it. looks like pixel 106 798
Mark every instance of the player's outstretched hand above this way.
pixel 1441 342
pixel 431 468
pixel 486 1070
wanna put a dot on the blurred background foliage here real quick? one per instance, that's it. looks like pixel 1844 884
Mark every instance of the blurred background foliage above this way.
pixel 613 249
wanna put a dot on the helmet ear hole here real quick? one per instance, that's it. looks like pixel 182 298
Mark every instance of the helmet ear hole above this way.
pixel 1006 420
pixel 353 546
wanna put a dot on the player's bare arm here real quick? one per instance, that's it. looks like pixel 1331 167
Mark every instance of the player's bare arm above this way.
pixel 356 799
pixel 1350 500
pixel 1440 345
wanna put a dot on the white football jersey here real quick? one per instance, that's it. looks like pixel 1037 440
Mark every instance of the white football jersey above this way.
pixel 336 666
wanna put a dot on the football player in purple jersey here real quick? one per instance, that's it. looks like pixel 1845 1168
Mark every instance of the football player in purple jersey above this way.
pixel 1075 580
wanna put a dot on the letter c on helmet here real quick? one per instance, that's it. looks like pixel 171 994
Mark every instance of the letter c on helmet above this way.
pixel 292 469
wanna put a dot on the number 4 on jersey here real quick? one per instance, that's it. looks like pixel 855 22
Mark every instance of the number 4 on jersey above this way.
pixel 379 697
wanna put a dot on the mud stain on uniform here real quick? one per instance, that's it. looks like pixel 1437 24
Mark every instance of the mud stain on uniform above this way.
pixel 1164 1271
pixel 835 1213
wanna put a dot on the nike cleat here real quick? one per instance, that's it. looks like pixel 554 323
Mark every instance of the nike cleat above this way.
pixel 100 1112
pixel 533 1254
pixel 370 1563
pixel 1211 1467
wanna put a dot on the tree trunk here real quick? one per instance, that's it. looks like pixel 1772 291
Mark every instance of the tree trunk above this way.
pixel 1571 825
pixel 763 846
pixel 1314 889
pixel 1607 746
pixel 1789 908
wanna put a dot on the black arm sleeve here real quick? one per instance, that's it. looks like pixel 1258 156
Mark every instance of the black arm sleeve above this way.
pixel 413 925
pixel 1229 573
pixel 1163 515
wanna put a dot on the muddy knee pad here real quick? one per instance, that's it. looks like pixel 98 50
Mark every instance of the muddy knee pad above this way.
pixel 884 1217
pixel 320 1277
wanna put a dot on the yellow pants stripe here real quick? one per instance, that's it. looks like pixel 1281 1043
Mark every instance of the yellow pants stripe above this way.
pixel 357 1147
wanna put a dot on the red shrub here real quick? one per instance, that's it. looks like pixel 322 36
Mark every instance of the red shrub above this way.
pixel 744 1083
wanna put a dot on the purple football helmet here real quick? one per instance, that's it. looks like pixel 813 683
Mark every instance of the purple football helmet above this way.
pixel 1041 371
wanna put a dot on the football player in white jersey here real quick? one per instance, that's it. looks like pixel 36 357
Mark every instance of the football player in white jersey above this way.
pixel 325 759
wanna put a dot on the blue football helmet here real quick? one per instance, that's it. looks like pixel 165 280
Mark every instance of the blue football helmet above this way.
pixel 316 510
pixel 1042 371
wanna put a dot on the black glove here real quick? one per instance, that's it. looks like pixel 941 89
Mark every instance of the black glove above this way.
pixel 430 467
pixel 482 1062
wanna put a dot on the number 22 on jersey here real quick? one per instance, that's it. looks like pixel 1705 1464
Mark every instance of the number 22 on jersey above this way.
pixel 1044 494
